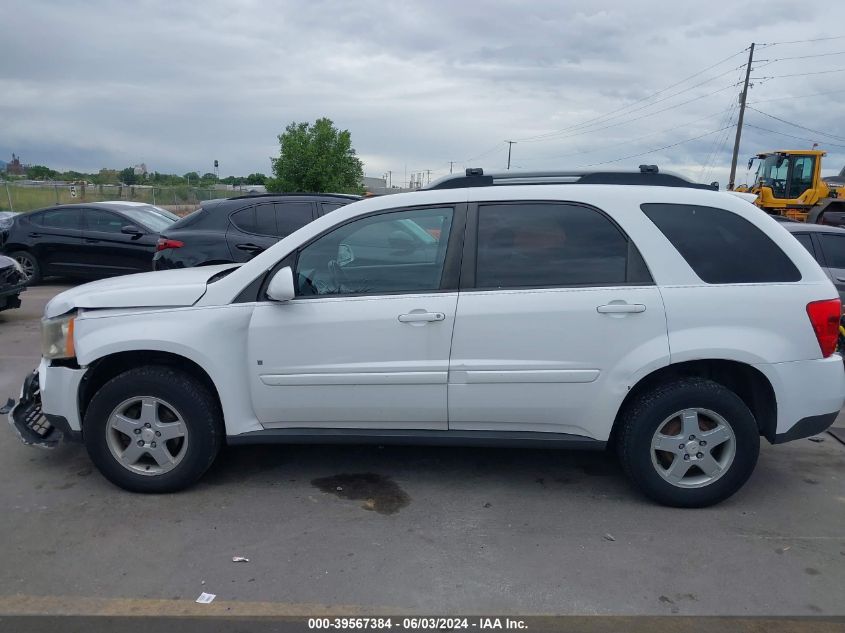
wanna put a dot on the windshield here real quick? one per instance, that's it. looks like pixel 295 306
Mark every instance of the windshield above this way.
pixel 772 172
pixel 153 218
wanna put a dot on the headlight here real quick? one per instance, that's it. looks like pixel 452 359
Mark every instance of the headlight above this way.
pixel 57 337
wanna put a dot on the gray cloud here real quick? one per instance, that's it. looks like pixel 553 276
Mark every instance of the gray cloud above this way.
pixel 178 84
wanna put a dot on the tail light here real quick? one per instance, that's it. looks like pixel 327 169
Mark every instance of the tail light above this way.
pixel 164 243
pixel 824 317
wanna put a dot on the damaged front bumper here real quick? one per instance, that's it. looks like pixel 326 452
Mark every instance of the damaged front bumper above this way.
pixel 29 421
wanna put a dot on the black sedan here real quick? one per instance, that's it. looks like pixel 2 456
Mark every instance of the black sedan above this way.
pixel 97 239
pixel 237 229
pixel 12 283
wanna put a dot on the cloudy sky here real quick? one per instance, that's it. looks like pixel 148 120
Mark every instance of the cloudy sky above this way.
pixel 177 84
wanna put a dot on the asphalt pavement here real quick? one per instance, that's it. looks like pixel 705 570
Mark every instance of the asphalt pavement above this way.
pixel 340 529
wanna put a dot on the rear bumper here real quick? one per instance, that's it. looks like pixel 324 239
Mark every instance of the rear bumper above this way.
pixel 809 396
pixel 807 427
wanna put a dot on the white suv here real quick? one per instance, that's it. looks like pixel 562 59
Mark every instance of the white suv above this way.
pixel 635 310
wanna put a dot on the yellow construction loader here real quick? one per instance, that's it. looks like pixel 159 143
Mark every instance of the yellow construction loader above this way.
pixel 789 183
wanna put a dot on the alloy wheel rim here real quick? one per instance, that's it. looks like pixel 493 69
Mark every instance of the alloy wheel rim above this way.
pixel 692 448
pixel 147 435
pixel 26 266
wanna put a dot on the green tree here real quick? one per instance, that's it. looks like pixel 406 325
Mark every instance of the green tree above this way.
pixel 192 177
pixel 316 158
pixel 209 177
pixel 256 179
pixel 127 176
pixel 40 172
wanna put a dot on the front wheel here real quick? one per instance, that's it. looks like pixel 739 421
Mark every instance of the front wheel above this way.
pixel 153 429
pixel 690 443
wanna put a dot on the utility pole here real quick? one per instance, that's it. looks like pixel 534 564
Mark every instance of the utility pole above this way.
pixel 742 99
pixel 389 179
pixel 451 162
pixel 510 144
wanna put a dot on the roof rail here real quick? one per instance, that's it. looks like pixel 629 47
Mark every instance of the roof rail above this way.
pixel 647 175
pixel 350 196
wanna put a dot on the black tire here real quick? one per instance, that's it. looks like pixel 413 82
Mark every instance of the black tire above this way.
pixel 198 408
pixel 648 412
pixel 28 260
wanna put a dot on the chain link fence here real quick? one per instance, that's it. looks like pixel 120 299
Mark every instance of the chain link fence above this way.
pixel 18 196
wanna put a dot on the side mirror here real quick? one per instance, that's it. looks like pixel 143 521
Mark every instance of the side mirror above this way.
pixel 280 287
pixel 131 229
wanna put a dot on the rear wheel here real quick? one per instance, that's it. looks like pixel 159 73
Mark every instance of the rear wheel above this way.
pixel 690 443
pixel 29 265
pixel 153 429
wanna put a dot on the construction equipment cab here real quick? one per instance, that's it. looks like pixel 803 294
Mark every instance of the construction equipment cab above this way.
pixel 789 183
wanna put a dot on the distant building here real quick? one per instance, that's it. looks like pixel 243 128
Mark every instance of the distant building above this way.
pixel 15 168
pixel 371 184
pixel 140 170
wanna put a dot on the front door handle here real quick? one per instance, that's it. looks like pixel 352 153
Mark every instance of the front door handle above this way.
pixel 35 234
pixel 421 317
pixel 620 308
pixel 91 240
pixel 249 248
pixel 842 279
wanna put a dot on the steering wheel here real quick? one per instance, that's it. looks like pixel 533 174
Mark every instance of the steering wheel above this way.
pixel 338 275
pixel 328 281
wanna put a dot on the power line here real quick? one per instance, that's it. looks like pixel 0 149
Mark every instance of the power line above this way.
pixel 783 59
pixel 720 148
pixel 637 138
pixel 719 143
pixel 800 138
pixel 646 98
pixel 483 154
pixel 657 149
pixel 582 126
pixel 809 129
pixel 814 94
pixel 816 39
pixel 644 116
pixel 818 72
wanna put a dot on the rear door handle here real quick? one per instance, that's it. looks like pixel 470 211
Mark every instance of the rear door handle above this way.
pixel 842 279
pixel 91 240
pixel 249 248
pixel 621 308
pixel 35 234
pixel 421 317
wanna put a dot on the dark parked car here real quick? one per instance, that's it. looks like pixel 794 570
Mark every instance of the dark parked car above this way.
pixel 827 245
pixel 97 239
pixel 237 229
pixel 12 283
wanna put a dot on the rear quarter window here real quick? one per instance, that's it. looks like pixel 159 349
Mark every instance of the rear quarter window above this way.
pixel 720 246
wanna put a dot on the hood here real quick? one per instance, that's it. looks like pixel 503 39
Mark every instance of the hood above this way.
pixel 165 288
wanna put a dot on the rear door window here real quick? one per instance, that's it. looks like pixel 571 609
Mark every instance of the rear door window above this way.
pixel 291 216
pixel 265 220
pixel 534 244
pixel 722 247
pixel 244 219
pixel 66 219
